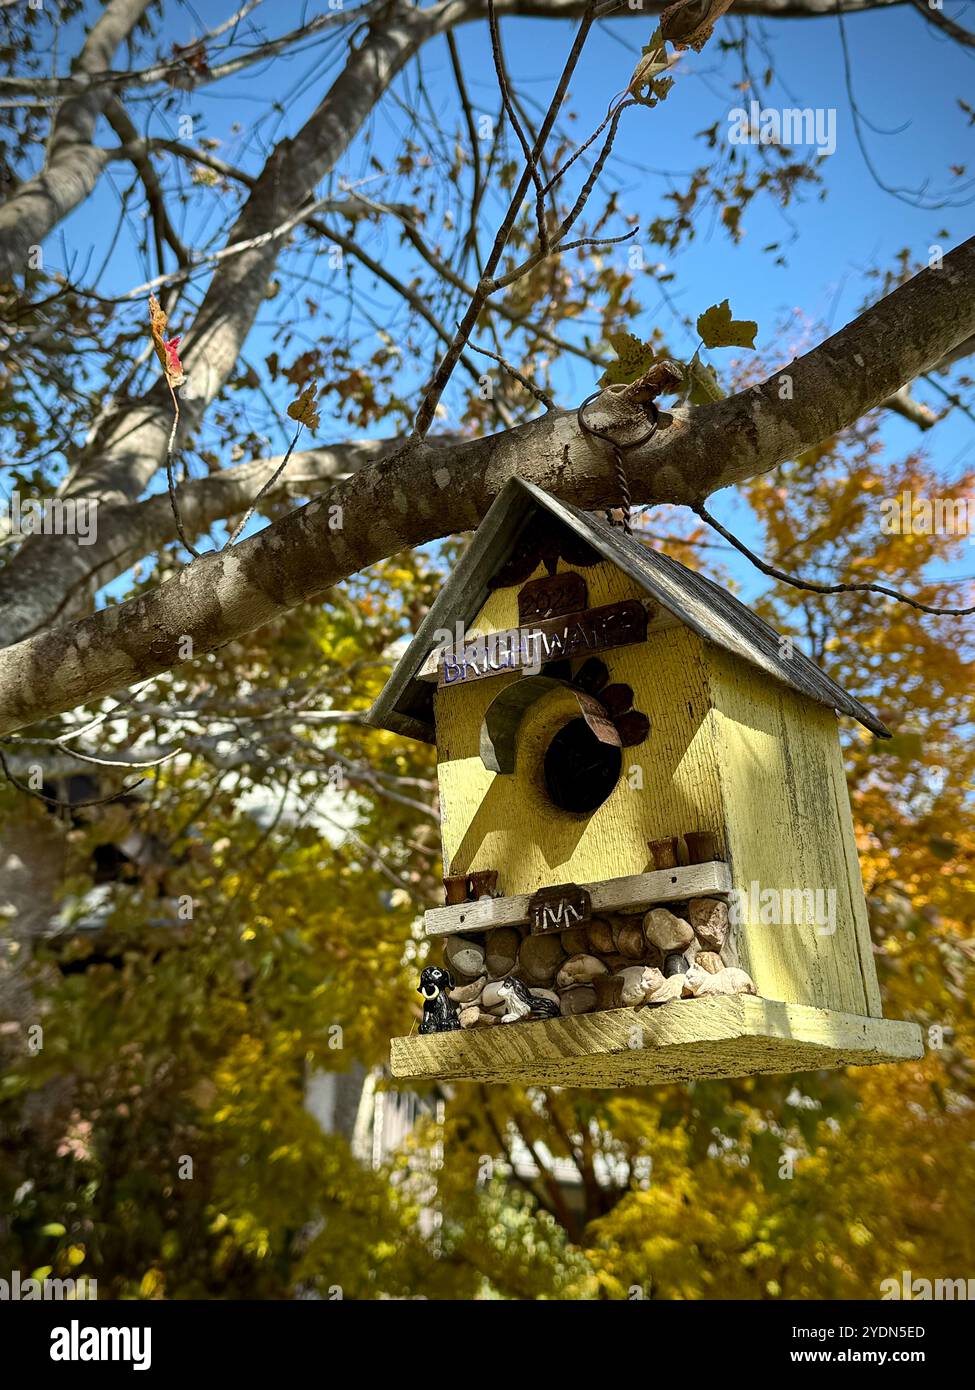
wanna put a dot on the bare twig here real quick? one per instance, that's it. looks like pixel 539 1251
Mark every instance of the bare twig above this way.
pixel 171 477
pixel 541 396
pixel 812 587
pixel 477 193
pixel 945 24
pixel 530 155
pixel 266 488
pixel 431 399
pixel 56 801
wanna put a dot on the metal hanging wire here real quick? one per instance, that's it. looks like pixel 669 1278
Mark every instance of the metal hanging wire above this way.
pixel 618 450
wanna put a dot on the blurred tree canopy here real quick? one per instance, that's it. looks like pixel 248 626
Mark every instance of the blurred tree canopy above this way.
pixel 186 945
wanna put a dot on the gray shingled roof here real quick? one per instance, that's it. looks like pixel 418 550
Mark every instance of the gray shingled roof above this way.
pixel 405 704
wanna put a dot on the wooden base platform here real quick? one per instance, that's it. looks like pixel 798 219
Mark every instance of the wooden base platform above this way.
pixel 686 1040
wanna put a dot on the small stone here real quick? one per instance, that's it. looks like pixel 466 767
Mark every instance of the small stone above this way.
pixel 463 956
pixel 580 999
pixel 609 991
pixel 666 990
pixel 630 940
pixel 667 932
pixel 709 918
pixel 580 970
pixel 574 941
pixel 616 962
pixel 470 1016
pixel 490 998
pixel 653 956
pixel 501 950
pixel 539 958
pixel 676 964
pixel 709 961
pixel 486 1019
pixel 638 982
pixel 467 994
pixel 599 935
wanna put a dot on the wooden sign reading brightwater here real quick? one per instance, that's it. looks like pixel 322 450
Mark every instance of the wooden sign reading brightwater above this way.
pixel 554 639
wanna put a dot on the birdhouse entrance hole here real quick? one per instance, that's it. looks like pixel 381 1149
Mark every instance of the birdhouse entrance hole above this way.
pixel 580 770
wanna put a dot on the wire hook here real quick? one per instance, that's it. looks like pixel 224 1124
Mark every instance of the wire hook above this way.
pixel 622 482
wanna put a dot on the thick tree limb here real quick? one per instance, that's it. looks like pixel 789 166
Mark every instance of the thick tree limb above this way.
pixel 130 445
pixel 127 533
pixel 435 492
pixel 72 164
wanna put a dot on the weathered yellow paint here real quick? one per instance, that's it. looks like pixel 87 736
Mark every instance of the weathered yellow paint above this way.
pixel 854 882
pixel 508 822
pixel 687 1040
pixel 788 827
pixel 730 750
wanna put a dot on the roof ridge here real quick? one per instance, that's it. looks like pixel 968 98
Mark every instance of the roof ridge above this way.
pixel 693 598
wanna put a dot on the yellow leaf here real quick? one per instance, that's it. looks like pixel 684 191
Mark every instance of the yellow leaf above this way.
pixel 718 329
pixel 304 409
pixel 635 358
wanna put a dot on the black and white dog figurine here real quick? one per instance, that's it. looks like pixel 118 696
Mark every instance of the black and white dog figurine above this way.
pixel 523 1006
pixel 439 1012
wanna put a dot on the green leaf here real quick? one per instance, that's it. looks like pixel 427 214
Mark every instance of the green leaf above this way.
pixel 718 329
pixel 704 384
pixel 635 358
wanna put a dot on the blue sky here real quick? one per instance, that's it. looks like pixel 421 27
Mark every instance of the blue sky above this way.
pixel 907 80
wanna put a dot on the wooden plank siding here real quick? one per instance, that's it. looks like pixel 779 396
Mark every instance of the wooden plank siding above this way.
pixel 789 826
pixel 508 822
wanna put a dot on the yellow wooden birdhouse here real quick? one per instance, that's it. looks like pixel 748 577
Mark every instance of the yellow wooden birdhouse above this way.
pixel 649 859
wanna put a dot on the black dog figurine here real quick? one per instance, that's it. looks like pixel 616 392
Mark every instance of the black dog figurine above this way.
pixel 439 1012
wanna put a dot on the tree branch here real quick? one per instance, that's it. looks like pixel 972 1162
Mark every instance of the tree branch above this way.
pixel 435 492
pixel 128 532
pixel 72 164
pixel 130 444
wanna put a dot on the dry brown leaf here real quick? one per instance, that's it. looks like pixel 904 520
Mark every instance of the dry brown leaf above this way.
pixel 304 409
pixel 165 348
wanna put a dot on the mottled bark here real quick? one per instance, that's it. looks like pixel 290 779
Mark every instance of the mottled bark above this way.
pixel 72 164
pixel 129 446
pixel 127 533
pixel 46 581
pixel 412 499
